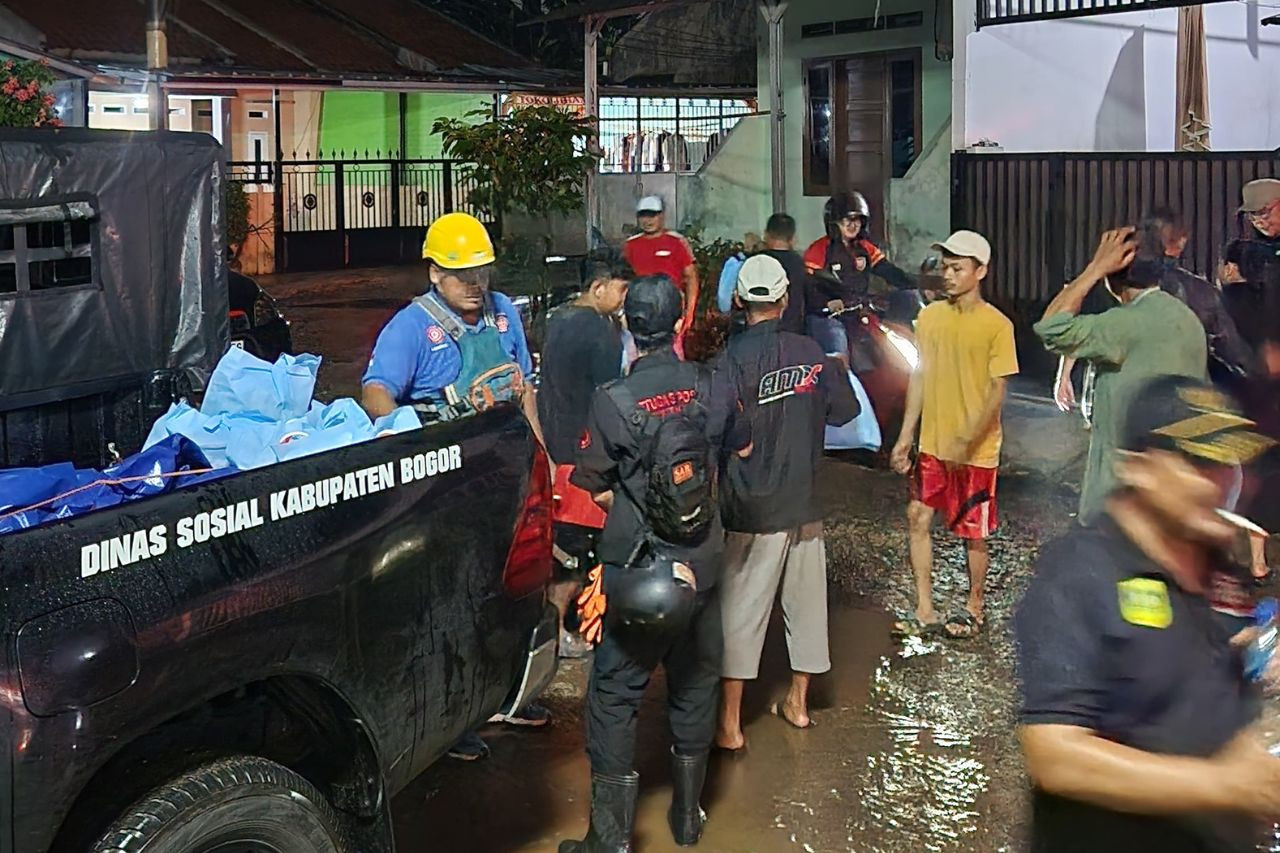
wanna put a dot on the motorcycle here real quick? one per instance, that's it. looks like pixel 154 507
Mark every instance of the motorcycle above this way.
pixel 882 351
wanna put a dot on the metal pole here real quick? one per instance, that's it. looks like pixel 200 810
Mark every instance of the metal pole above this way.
pixel 157 62
pixel 773 11
pixel 591 105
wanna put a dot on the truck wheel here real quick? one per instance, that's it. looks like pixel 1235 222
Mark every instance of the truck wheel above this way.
pixel 238 805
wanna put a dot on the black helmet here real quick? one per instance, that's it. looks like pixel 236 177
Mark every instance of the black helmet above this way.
pixel 845 204
pixel 653 595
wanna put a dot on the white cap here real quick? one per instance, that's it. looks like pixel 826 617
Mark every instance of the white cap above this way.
pixel 761 279
pixel 967 244
pixel 649 204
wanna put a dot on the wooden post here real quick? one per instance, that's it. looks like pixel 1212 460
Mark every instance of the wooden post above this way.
pixel 157 62
pixel 591 105
pixel 773 11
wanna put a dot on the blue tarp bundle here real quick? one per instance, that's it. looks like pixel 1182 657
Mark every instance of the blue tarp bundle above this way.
pixel 861 433
pixel 254 414
pixel 62 490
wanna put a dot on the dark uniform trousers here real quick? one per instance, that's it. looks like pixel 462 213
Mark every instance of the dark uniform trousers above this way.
pixel 620 676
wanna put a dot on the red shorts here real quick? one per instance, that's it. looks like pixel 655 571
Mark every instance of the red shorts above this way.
pixel 574 505
pixel 964 494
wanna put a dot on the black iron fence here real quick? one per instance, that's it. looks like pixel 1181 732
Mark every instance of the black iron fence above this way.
pixel 1044 212
pixel 334 213
pixel 1014 11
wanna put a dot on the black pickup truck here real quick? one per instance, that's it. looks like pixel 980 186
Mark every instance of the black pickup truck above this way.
pixel 259 662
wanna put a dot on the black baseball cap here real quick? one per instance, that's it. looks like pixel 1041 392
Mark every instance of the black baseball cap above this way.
pixel 653 306
pixel 1193 418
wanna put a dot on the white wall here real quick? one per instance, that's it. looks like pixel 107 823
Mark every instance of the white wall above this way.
pixel 1108 82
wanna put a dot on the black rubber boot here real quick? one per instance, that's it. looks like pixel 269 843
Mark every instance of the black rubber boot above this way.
pixel 613 815
pixel 686 817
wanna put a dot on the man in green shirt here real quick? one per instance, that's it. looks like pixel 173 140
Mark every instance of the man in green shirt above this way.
pixel 1148 334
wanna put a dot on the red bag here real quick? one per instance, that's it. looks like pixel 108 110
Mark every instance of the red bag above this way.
pixel 574 505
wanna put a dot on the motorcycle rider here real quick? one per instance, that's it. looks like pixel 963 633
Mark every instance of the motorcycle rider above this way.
pixel 841 265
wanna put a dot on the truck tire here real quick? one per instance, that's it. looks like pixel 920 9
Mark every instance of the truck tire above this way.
pixel 237 805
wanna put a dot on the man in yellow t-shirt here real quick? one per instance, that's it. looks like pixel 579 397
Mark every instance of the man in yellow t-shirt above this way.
pixel 967 354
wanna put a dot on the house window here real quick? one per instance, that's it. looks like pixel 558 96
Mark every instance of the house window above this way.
pixel 47 248
pixel 904 112
pixel 116 109
pixel 141 109
pixel 665 134
pixel 818 147
pixel 257 114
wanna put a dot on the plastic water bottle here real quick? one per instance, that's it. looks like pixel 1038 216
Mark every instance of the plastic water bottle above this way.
pixel 1258 653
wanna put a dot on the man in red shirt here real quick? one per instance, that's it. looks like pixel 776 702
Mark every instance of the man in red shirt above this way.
pixel 657 251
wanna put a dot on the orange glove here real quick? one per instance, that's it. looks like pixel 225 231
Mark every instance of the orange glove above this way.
pixel 591 607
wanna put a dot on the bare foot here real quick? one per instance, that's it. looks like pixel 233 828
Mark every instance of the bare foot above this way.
pixel 731 741
pixel 795 714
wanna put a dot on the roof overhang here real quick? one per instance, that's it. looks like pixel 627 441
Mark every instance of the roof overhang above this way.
pixel 608 9
pixel 63 66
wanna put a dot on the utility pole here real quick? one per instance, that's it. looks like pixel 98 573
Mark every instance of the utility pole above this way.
pixel 157 62
pixel 773 11
pixel 591 105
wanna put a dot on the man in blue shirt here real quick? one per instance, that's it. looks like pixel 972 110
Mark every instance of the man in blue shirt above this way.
pixel 459 347
pixel 455 350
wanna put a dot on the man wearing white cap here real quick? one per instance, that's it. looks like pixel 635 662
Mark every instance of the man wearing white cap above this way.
pixel 967 355
pixel 790 391
pixel 657 251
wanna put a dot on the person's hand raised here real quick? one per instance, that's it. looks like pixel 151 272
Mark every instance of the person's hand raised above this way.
pixel 1116 250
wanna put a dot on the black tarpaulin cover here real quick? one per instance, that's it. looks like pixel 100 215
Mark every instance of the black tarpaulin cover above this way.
pixel 146 209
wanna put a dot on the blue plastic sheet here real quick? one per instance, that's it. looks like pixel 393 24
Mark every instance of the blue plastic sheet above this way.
pixel 861 433
pixel 30 497
pixel 257 414
pixel 729 282
pixel 254 414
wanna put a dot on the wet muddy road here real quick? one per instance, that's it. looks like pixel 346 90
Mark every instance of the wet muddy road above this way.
pixel 913 750
pixel 914 747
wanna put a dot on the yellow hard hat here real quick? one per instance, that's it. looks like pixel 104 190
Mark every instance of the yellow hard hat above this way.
pixel 458 241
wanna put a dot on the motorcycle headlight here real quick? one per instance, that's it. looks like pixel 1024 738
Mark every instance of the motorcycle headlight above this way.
pixel 906 348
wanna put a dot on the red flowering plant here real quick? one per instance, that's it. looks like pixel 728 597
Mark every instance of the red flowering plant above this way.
pixel 23 99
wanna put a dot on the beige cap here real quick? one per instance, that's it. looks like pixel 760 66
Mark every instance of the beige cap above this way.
pixel 967 244
pixel 761 279
pixel 1259 195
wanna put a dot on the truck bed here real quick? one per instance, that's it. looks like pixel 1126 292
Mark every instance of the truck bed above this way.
pixel 376 569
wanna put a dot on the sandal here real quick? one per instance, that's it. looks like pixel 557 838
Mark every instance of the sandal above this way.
pixel 911 626
pixel 962 625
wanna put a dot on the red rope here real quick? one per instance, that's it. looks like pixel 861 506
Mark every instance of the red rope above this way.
pixel 106 482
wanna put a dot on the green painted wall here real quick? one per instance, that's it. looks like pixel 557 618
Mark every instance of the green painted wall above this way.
pixel 732 195
pixel 360 121
pixel 919 203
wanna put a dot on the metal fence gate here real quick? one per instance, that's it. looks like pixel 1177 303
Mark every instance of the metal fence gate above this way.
pixel 329 214
pixel 1044 213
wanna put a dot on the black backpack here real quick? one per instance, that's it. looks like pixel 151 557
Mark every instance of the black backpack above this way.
pixel 679 501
